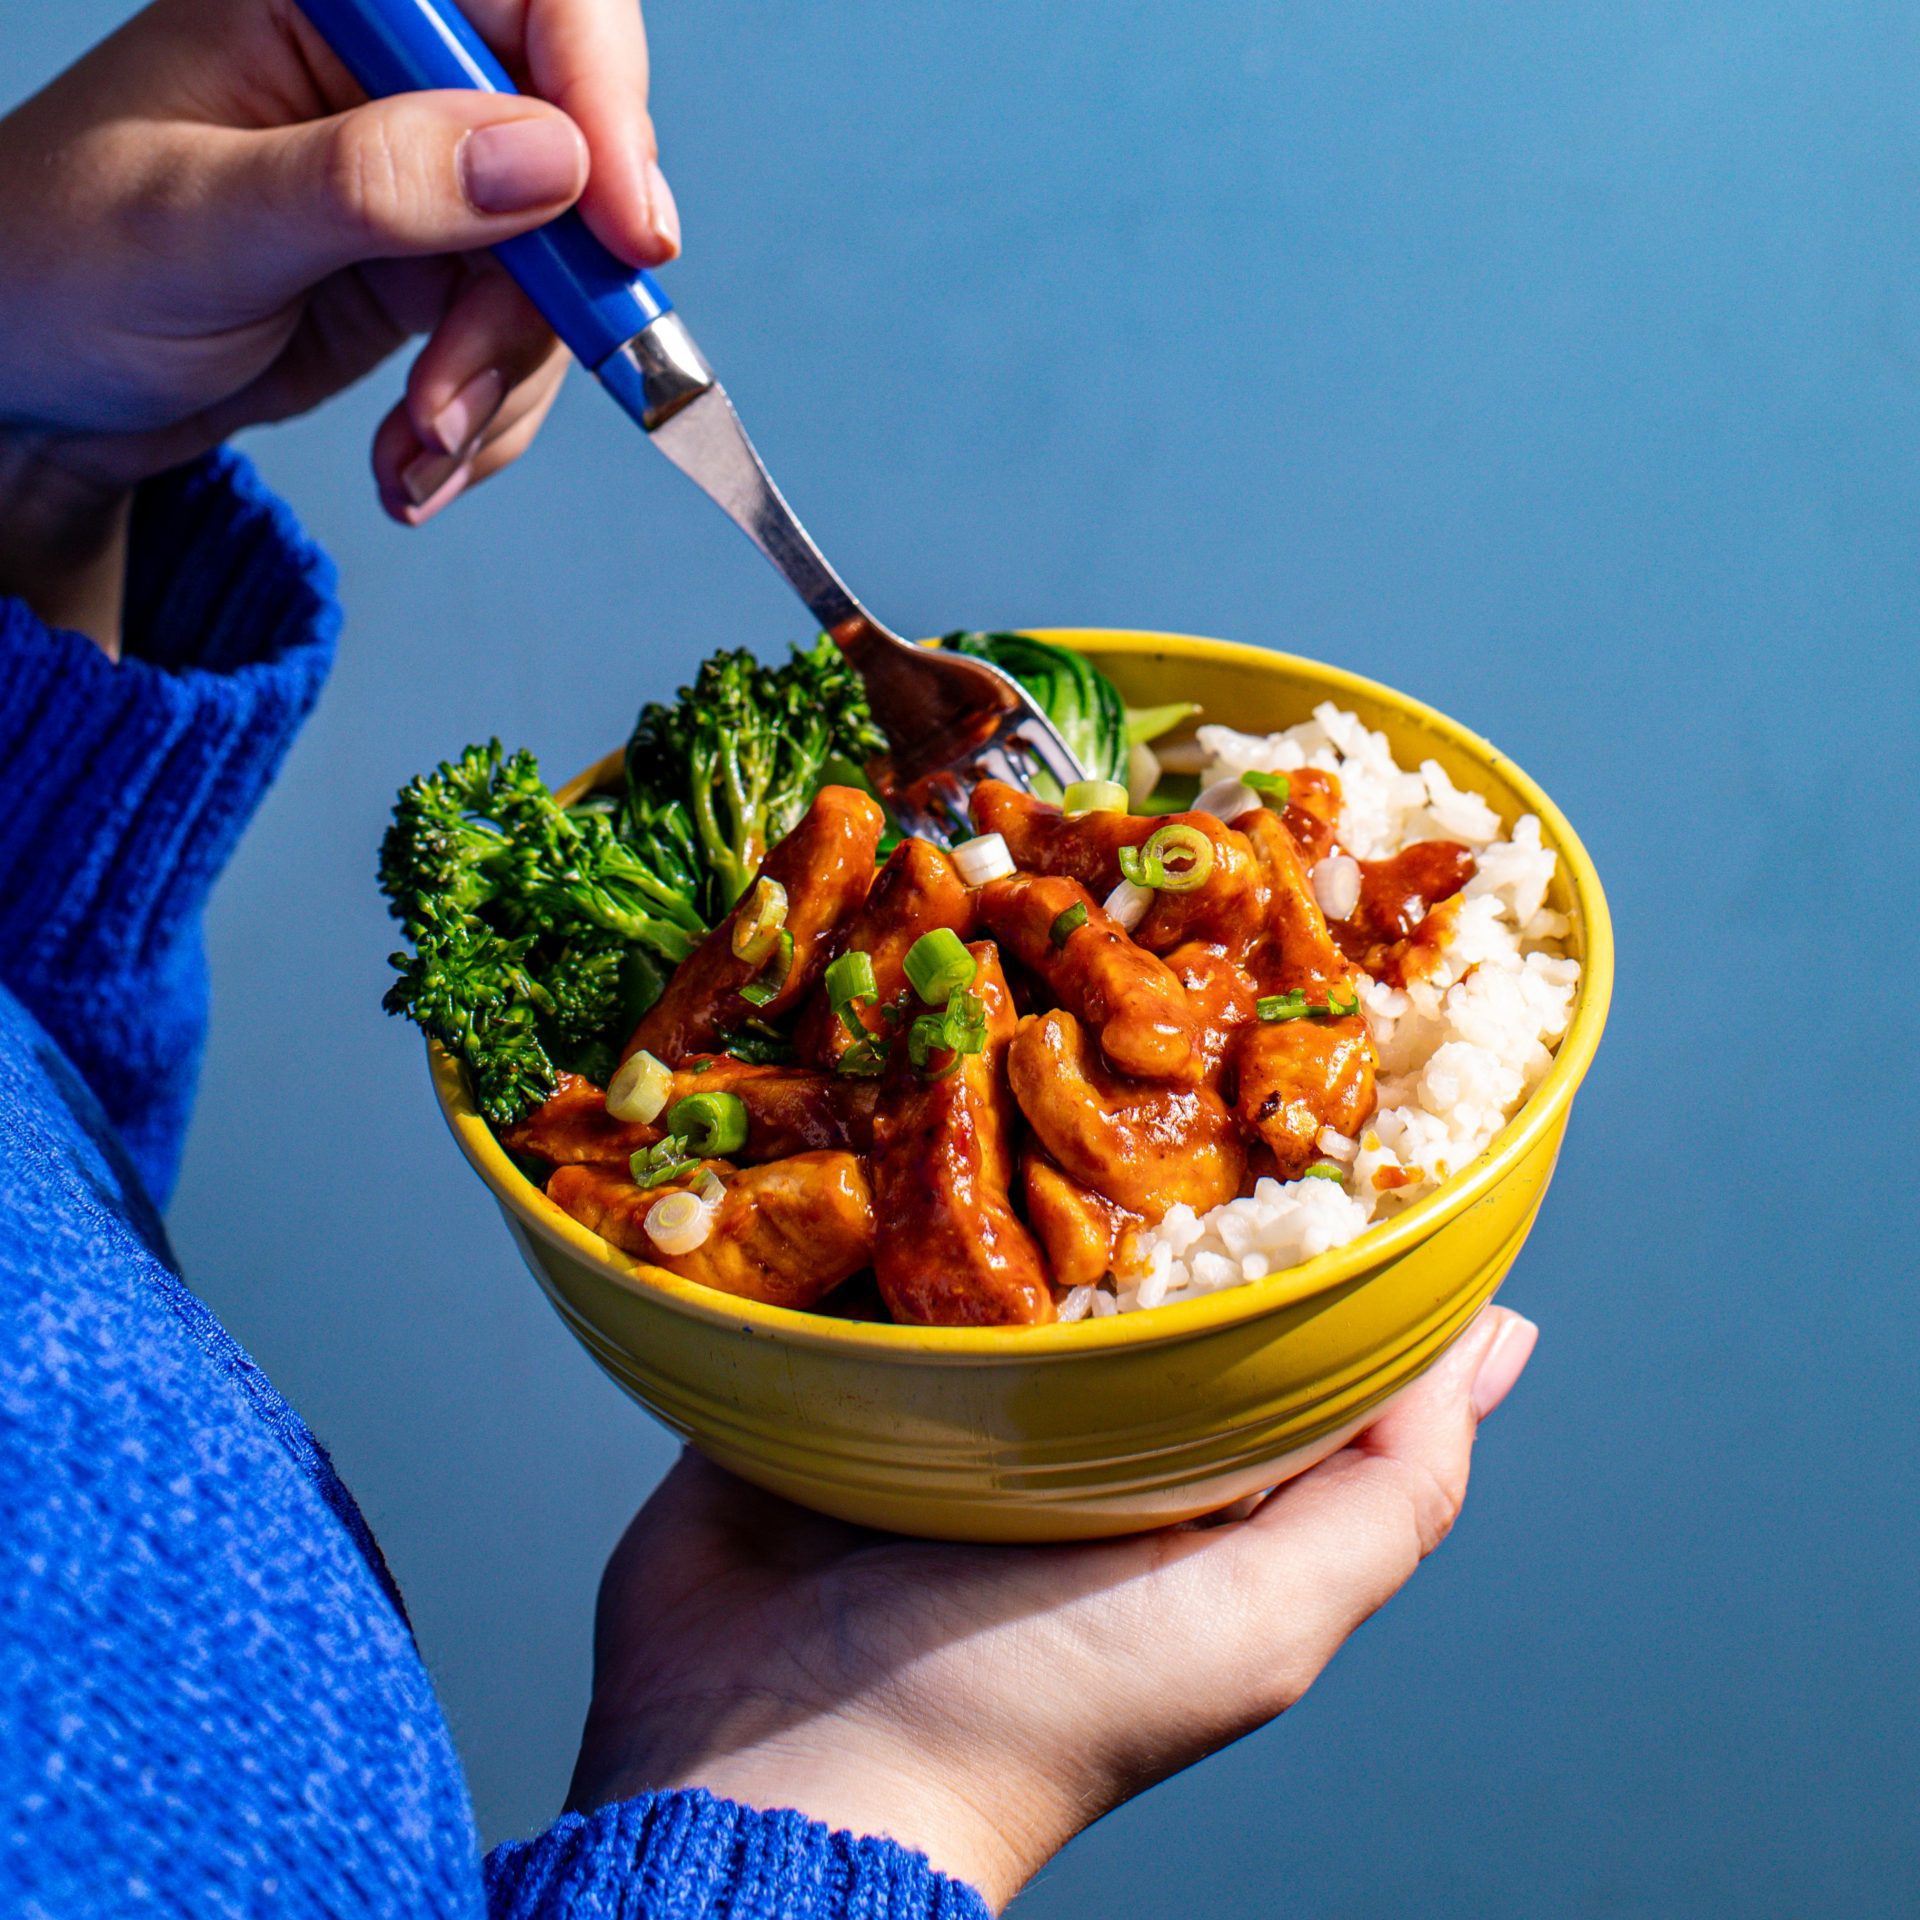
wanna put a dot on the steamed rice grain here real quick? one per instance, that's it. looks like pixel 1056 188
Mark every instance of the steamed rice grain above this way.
pixel 1460 1049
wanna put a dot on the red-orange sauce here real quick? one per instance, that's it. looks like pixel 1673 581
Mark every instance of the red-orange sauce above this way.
pixel 1386 1179
pixel 1396 930
pixel 1312 812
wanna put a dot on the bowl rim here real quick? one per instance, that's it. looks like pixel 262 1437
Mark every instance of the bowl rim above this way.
pixel 1182 1320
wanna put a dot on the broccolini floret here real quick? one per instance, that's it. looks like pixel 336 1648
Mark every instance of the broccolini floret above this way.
pixel 743 751
pixel 531 923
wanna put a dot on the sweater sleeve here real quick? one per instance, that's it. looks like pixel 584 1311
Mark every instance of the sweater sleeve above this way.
pixel 688 1856
pixel 124 786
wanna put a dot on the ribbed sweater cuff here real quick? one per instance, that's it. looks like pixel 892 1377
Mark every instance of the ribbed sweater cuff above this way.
pixel 126 785
pixel 688 1856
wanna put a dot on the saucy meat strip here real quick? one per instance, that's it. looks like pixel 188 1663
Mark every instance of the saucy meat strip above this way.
pixel 1127 995
pixel 1079 1228
pixel 1144 1147
pixel 826 866
pixel 789 1110
pixel 1042 840
pixel 918 890
pixel 786 1233
pixel 1228 908
pixel 1222 995
pixel 1312 812
pixel 1297 1076
pixel 955 1253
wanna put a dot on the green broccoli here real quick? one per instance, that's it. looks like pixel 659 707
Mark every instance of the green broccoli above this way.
pixel 470 988
pixel 743 751
pixel 537 929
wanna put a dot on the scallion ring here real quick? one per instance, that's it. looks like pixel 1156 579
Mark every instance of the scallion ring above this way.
pixel 1273 788
pixel 1182 856
pixel 850 978
pixel 661 1163
pixel 766 984
pixel 1324 1170
pixel 757 923
pixel 1093 796
pixel 709 1124
pixel 679 1223
pixel 639 1088
pixel 939 965
pixel 1068 924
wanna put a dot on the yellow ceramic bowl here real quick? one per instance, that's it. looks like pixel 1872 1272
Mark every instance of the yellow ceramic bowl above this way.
pixel 1112 1425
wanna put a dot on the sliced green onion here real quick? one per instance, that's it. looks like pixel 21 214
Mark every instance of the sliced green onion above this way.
pixel 1324 1170
pixel 1272 787
pixel 1149 723
pixel 657 1165
pixel 957 1029
pixel 711 1189
pixel 850 978
pixel 1068 924
pixel 938 964
pixel 709 1124
pixel 1128 904
pixel 1294 1005
pixel 639 1088
pixel 982 859
pixel 680 1223
pixel 1183 855
pixel 1093 796
pixel 1283 1006
pixel 766 984
pixel 866 1059
pixel 757 924
pixel 1133 867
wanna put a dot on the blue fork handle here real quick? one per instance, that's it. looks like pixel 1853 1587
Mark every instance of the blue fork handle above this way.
pixel 593 301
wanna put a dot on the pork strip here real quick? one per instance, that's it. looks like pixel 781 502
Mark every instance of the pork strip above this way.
pixel 1129 997
pixel 826 866
pixel 786 1233
pixel 955 1253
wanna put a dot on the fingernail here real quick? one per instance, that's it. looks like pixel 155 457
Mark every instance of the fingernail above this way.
pixel 1503 1364
pixel 431 479
pixel 517 165
pixel 469 413
pixel 662 210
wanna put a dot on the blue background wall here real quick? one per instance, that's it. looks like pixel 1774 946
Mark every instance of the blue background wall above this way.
pixel 1559 363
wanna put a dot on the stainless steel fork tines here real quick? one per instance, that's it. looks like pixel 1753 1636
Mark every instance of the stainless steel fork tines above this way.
pixel 950 720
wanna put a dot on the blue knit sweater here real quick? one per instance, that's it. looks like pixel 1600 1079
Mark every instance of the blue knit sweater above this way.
pixel 210 1702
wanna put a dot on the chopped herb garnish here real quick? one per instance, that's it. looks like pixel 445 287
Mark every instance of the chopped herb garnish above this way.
pixel 665 1161
pixel 957 1029
pixel 766 984
pixel 1068 924
pixel 1175 859
pixel 850 978
pixel 709 1124
pixel 1324 1170
pixel 1294 1005
pixel 1274 788
pixel 939 965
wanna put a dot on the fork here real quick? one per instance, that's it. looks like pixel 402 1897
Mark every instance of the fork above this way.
pixel 949 719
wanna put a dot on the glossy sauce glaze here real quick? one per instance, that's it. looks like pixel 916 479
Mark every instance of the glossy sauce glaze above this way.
pixel 1117 1073
pixel 1388 933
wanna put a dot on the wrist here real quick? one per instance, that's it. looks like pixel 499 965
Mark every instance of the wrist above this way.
pixel 853 1781
pixel 63 541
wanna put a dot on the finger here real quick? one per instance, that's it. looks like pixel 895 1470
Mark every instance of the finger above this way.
pixel 1327 1550
pixel 417 482
pixel 420 174
pixel 490 340
pixel 590 58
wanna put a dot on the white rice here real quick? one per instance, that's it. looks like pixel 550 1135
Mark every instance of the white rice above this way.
pixel 1459 1050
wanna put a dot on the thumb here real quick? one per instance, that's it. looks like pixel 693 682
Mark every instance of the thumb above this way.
pixel 418 174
